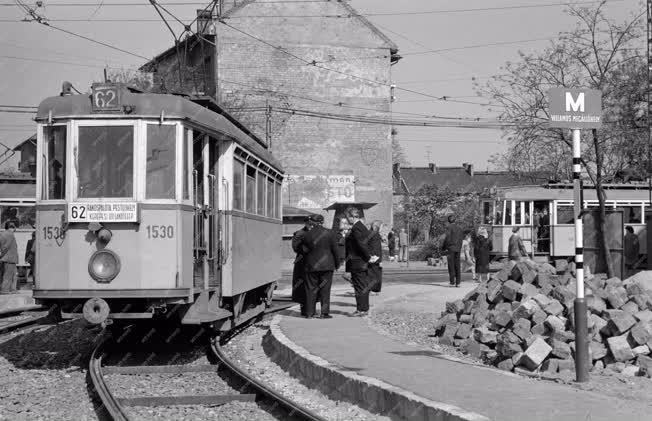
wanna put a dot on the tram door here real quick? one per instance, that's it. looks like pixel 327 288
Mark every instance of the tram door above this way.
pixel 205 158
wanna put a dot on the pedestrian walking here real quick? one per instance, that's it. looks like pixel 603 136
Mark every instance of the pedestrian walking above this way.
pixel 391 244
pixel 358 258
pixel 483 246
pixel 30 256
pixel 467 255
pixel 402 246
pixel 516 249
pixel 320 260
pixel 632 249
pixel 452 246
pixel 298 273
pixel 375 248
pixel 8 258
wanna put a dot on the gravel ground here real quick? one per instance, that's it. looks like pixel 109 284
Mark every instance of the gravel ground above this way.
pixel 247 351
pixel 418 329
pixel 43 373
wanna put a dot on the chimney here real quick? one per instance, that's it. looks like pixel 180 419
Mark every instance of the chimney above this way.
pixel 433 168
pixel 205 22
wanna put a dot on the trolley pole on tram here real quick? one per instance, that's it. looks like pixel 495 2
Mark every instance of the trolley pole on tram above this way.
pixel 577 109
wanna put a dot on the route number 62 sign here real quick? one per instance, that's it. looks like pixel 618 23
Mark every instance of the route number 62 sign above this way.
pixel 105 97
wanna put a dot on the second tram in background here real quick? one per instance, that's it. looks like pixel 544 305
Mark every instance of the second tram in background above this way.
pixel 545 215
pixel 154 206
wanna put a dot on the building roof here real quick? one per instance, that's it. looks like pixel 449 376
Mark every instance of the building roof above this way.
pixel 409 180
pixel 31 139
pixel 190 41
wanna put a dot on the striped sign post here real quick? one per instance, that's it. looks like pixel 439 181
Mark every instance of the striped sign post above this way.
pixel 577 109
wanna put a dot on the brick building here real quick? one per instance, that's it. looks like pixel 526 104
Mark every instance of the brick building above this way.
pixel 326 159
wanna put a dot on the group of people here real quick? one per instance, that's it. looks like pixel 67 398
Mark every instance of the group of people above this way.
pixel 321 251
pixel 402 245
pixel 9 258
pixel 460 248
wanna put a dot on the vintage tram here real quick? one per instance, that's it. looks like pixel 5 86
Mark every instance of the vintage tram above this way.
pixel 554 237
pixel 154 206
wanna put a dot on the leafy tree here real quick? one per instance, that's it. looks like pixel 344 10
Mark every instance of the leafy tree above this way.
pixel 430 206
pixel 600 54
pixel 398 154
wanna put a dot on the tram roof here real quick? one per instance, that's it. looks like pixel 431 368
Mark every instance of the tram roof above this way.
pixel 621 192
pixel 199 110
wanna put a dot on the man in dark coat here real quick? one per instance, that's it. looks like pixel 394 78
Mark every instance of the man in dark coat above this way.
pixel 30 255
pixel 632 249
pixel 452 246
pixel 298 274
pixel 391 244
pixel 320 260
pixel 358 258
pixel 375 248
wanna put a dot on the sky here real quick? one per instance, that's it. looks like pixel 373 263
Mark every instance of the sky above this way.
pixel 35 59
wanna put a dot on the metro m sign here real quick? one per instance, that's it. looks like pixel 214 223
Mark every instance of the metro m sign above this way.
pixel 575 108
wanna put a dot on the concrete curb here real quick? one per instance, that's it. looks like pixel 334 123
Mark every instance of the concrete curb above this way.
pixel 367 392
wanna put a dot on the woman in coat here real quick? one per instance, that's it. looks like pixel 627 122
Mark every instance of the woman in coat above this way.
pixel 482 250
pixel 375 248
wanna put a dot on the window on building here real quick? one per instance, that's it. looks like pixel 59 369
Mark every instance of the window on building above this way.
pixel 270 198
pixel 250 190
pixel 508 212
pixel 260 210
pixel 160 180
pixel 105 161
pixel 54 166
pixel 238 185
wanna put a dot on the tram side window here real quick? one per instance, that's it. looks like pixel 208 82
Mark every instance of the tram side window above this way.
pixel 565 214
pixel 250 190
pixel 632 215
pixel 23 217
pixel 161 151
pixel 277 201
pixel 184 156
pixel 260 210
pixel 238 185
pixel 54 168
pixel 106 161
pixel 270 198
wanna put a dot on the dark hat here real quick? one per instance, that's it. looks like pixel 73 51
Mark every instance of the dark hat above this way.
pixel 319 219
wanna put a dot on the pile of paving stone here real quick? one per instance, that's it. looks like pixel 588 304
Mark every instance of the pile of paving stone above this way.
pixel 522 320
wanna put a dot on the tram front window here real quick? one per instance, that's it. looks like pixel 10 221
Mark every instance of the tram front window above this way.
pixel 105 161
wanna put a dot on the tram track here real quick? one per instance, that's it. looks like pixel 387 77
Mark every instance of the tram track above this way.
pixel 20 322
pixel 116 406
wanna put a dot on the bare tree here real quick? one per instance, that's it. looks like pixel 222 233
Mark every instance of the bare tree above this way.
pixel 599 54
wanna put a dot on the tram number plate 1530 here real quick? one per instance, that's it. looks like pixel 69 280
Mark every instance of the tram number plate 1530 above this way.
pixel 103 212
pixel 105 97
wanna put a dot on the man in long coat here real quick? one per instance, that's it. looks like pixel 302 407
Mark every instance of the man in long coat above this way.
pixel 452 247
pixel 298 273
pixel 320 260
pixel 358 258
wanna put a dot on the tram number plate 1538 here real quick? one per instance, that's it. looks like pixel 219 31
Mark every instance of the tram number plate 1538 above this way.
pixel 105 97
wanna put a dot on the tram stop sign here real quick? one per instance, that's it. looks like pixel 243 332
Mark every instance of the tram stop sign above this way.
pixel 575 108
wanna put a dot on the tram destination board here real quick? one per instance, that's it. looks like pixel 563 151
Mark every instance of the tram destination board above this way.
pixel 575 108
pixel 103 212
pixel 105 97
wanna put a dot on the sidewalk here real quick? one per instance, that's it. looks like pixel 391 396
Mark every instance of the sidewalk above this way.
pixel 388 267
pixel 349 348
pixel 21 298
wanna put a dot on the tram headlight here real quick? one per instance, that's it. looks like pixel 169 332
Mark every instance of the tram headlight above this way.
pixel 104 265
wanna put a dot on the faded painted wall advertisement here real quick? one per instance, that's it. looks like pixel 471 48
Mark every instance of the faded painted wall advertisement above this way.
pixel 317 191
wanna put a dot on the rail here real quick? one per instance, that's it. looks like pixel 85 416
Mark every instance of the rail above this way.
pixel 29 321
pixel 115 406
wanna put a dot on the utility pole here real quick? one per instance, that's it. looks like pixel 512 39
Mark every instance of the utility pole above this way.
pixel 268 124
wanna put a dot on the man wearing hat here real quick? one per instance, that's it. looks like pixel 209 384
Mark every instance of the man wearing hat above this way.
pixel 298 274
pixel 320 260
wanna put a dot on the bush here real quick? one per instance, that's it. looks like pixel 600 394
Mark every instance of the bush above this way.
pixel 430 248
